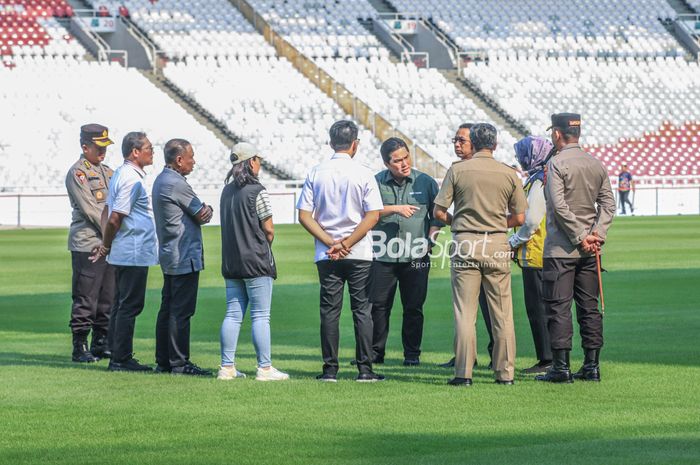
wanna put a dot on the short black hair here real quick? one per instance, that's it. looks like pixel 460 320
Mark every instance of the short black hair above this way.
pixel 131 141
pixel 390 146
pixel 572 132
pixel 174 148
pixel 465 126
pixel 483 136
pixel 343 133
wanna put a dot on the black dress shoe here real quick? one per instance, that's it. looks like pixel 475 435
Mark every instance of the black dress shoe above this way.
pixel 411 362
pixel 190 369
pixel 539 367
pixel 370 377
pixel 460 382
pixel 505 382
pixel 163 369
pixel 130 365
pixel 327 378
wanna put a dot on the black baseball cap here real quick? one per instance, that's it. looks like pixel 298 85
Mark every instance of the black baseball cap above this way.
pixel 565 120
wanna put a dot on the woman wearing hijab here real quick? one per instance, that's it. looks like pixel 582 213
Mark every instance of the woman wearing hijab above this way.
pixel 528 244
pixel 247 265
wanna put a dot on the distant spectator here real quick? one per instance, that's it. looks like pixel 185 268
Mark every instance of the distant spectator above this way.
pixel 625 184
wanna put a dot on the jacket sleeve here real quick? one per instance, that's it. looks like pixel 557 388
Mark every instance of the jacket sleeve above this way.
pixel 79 190
pixel 533 216
pixel 606 207
pixel 565 218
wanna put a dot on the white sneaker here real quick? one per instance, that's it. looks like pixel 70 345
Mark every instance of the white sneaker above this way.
pixel 273 374
pixel 228 373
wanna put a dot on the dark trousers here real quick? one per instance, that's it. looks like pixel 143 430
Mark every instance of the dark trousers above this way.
pixel 412 280
pixel 532 286
pixel 625 200
pixel 178 303
pixel 93 293
pixel 564 279
pixel 128 304
pixel 332 276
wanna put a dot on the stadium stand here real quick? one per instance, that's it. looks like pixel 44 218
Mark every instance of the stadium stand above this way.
pixel 228 68
pixel 634 110
pixel 46 122
pixel 30 28
pixel 422 103
pixel 604 28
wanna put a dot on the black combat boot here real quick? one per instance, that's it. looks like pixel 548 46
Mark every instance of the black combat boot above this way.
pixel 590 371
pixel 560 371
pixel 81 354
pixel 99 346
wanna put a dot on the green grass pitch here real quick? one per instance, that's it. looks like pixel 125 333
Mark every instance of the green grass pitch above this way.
pixel 646 410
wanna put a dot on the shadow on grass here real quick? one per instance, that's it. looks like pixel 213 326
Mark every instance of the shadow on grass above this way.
pixel 651 318
pixel 341 447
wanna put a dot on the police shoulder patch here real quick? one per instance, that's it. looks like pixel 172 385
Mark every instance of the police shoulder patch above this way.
pixel 80 176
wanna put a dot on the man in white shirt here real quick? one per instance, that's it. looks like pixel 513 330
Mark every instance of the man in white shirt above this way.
pixel 339 205
pixel 130 245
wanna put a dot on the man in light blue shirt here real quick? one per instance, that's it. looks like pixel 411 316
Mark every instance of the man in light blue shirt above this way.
pixel 130 245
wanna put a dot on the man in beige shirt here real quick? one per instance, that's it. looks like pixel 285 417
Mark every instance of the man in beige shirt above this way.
pixel 488 199
pixel 580 209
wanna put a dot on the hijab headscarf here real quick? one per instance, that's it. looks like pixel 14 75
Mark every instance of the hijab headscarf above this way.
pixel 532 152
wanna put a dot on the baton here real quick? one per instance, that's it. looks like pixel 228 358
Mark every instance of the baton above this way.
pixel 600 282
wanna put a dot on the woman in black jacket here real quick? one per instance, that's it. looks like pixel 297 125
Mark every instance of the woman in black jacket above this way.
pixel 247 265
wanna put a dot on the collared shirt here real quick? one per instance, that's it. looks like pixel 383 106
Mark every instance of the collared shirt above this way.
pixel 483 190
pixel 579 201
pixel 135 243
pixel 87 191
pixel 175 206
pixel 339 192
pixel 409 234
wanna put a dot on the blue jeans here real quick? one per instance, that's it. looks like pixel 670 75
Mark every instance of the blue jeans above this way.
pixel 255 293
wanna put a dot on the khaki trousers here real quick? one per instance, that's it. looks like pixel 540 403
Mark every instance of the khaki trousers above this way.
pixel 482 259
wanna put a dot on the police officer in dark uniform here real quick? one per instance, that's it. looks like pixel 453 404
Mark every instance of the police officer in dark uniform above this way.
pixel 580 209
pixel 93 283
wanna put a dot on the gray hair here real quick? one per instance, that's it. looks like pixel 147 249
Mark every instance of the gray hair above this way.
pixel 483 136
pixel 343 133
pixel 131 141
pixel 174 148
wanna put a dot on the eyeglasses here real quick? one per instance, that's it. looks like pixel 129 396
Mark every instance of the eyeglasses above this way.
pixel 461 140
pixel 147 148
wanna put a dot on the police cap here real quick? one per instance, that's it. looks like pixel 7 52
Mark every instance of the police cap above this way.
pixel 565 121
pixel 95 133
